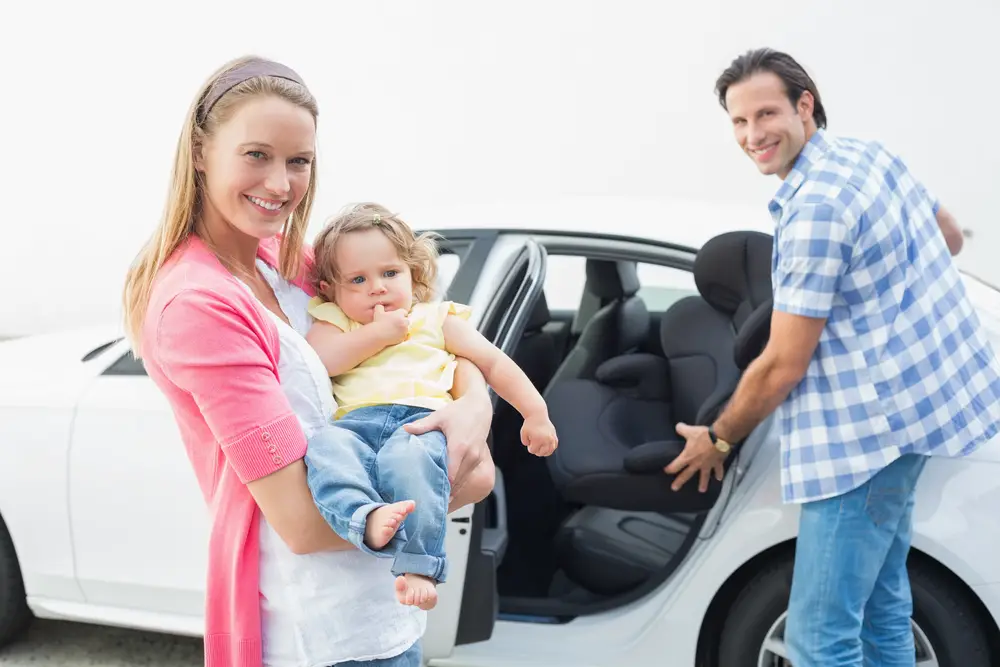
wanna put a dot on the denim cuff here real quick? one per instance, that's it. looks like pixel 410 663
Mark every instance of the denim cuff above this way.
pixel 356 532
pixel 433 567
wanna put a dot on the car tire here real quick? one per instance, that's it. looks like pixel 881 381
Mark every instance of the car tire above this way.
pixel 949 617
pixel 946 615
pixel 14 613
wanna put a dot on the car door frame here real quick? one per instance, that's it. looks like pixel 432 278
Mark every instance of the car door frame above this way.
pixel 612 247
pixel 504 319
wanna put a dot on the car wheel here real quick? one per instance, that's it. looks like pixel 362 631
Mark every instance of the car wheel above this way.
pixel 946 629
pixel 14 613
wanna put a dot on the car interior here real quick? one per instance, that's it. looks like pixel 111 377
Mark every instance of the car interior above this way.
pixel 596 525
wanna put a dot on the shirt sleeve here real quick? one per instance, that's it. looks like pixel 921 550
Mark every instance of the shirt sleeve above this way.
pixel 211 351
pixel 814 249
pixel 931 197
pixel 329 312
pixel 457 309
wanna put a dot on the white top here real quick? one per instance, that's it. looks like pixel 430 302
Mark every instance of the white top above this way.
pixel 329 607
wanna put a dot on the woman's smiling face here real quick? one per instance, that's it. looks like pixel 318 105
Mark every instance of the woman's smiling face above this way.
pixel 257 165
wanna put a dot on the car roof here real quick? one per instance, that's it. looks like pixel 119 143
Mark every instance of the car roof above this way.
pixel 678 222
pixel 667 220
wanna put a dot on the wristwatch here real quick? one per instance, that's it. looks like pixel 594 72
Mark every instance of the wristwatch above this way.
pixel 719 443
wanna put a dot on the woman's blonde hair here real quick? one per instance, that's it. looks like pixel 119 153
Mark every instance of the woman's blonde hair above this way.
pixel 184 200
pixel 418 251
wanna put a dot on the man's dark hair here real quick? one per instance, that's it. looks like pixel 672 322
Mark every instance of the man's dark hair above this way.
pixel 782 65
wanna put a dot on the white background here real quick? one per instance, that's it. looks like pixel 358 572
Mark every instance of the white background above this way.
pixel 589 114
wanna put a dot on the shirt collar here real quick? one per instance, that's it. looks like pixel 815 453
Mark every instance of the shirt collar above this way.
pixel 814 149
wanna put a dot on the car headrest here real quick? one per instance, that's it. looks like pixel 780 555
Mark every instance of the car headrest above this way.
pixel 609 279
pixel 733 273
pixel 539 314
pixel 753 335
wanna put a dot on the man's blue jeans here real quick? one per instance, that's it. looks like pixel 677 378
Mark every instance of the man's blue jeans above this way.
pixel 850 602
pixel 365 460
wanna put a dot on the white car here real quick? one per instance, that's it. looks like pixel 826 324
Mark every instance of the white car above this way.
pixel 586 558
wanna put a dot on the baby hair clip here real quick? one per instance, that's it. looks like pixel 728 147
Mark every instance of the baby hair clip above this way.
pixel 378 218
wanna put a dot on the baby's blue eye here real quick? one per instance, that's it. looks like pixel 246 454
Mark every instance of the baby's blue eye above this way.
pixel 357 280
pixel 257 155
pixel 391 273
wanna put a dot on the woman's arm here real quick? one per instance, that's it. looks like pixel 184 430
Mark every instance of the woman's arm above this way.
pixel 478 485
pixel 210 350
pixel 285 501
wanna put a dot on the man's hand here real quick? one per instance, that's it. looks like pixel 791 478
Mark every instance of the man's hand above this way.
pixel 699 457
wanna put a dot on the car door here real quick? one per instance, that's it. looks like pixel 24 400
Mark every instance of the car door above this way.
pixel 501 276
pixel 139 523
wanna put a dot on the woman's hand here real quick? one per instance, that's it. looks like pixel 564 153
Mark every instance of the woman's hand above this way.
pixel 466 425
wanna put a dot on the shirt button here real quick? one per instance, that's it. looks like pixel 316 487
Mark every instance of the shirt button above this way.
pixel 276 459
pixel 265 436
pixel 272 449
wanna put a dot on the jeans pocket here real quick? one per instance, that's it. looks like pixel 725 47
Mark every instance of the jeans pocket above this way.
pixel 885 505
pixel 891 490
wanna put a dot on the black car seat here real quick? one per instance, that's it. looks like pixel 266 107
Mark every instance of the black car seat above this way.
pixel 619 325
pixel 617 431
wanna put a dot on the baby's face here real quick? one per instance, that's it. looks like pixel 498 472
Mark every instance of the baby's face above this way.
pixel 371 273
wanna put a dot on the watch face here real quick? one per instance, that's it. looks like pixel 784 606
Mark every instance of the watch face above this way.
pixel 722 446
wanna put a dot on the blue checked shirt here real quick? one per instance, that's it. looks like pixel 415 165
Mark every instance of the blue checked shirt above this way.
pixel 902 364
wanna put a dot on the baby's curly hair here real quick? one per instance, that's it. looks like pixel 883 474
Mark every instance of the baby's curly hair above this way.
pixel 418 252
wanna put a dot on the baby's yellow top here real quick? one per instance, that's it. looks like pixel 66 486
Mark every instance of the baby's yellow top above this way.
pixel 418 371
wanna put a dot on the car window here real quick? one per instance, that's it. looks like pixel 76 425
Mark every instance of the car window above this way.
pixel 447 267
pixel 96 352
pixel 565 276
pixel 660 286
pixel 126 365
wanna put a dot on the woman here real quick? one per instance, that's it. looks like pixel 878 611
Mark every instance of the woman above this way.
pixel 215 303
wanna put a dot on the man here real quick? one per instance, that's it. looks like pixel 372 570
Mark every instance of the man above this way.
pixel 876 360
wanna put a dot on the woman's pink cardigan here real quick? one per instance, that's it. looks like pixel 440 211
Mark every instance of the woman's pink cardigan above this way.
pixel 213 351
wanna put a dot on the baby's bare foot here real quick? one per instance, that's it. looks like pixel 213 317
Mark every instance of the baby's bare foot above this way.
pixel 417 590
pixel 385 522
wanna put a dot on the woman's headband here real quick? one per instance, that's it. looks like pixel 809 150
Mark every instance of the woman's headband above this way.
pixel 237 75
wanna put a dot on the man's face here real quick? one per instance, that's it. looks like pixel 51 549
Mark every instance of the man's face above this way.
pixel 768 127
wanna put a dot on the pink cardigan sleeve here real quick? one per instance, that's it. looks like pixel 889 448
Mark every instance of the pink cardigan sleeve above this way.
pixel 216 354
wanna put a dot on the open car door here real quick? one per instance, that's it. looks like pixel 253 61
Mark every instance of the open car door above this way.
pixel 501 279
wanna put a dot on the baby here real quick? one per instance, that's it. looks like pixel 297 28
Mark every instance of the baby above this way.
pixel 391 354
